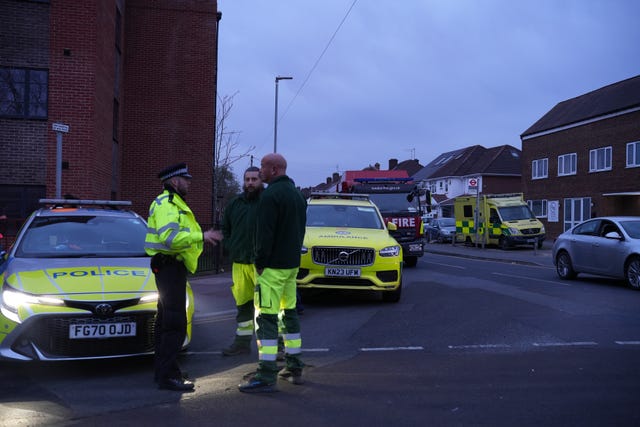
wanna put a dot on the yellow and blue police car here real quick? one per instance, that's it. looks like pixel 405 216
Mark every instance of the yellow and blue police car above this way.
pixel 76 284
pixel 347 246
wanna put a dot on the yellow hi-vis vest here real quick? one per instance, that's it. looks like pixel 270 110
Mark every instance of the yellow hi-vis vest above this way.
pixel 172 229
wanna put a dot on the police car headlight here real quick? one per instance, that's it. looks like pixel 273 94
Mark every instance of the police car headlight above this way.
pixel 13 299
pixel 390 251
pixel 304 250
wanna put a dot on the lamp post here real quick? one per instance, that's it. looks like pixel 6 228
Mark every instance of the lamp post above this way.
pixel 275 120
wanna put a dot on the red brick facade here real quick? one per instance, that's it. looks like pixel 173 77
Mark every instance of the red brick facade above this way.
pixel 615 132
pixel 134 104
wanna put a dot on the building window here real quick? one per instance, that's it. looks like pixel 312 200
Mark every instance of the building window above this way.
pixel 633 154
pixel 567 164
pixel 600 159
pixel 539 168
pixel 575 211
pixel 538 207
pixel 23 93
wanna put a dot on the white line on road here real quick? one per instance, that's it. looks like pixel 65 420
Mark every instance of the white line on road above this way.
pixel 553 282
pixel 447 265
pixel 391 348
pixel 563 344
pixel 480 346
pixel 627 342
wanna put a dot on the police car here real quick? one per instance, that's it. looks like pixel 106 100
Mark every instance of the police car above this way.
pixel 347 246
pixel 76 284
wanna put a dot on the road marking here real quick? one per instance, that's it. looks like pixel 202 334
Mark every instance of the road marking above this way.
pixel 447 265
pixel 315 350
pixel 532 278
pixel 418 348
pixel 479 346
pixel 628 342
pixel 216 316
pixel 564 344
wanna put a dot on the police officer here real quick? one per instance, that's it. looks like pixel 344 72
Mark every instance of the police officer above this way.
pixel 174 240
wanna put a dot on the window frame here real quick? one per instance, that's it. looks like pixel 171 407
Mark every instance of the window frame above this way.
pixel 534 168
pixel 542 203
pixel 27 96
pixel 594 160
pixel 573 164
pixel 633 154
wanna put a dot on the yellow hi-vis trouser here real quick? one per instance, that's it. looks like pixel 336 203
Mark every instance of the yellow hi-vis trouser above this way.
pixel 244 279
pixel 276 291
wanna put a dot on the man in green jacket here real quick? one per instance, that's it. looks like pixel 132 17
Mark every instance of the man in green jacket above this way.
pixel 239 229
pixel 281 221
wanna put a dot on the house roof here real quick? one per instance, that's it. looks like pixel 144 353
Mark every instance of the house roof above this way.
pixel 610 99
pixel 501 160
pixel 411 166
pixel 351 176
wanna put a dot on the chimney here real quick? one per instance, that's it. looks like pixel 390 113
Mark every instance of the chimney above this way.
pixel 393 163
pixel 328 180
pixel 336 177
pixel 377 166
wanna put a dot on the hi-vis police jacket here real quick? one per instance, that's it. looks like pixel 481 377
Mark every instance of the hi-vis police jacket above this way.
pixel 173 230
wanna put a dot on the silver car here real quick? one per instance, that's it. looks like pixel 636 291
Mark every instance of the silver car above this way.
pixel 605 246
pixel 441 229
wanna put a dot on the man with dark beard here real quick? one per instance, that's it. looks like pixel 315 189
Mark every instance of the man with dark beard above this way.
pixel 238 229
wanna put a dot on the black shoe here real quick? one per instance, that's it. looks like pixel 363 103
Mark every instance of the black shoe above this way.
pixel 294 376
pixel 175 384
pixel 236 349
pixel 257 386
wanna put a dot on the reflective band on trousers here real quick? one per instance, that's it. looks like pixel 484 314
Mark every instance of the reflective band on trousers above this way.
pixel 292 343
pixel 245 328
pixel 267 350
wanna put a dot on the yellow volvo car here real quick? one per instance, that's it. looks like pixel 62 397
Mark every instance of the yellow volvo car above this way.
pixel 347 245
pixel 76 284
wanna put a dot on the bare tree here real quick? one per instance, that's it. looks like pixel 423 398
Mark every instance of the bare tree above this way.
pixel 225 155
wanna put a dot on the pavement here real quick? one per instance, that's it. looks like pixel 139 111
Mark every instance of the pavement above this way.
pixel 525 254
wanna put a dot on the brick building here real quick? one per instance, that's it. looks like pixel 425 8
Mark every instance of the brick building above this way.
pixel 582 158
pixel 134 80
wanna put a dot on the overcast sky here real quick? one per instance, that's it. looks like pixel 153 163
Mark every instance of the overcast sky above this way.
pixel 410 78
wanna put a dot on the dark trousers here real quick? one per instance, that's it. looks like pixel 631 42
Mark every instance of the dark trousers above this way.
pixel 171 319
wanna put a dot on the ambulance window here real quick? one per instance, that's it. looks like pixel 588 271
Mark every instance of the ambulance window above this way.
pixel 468 210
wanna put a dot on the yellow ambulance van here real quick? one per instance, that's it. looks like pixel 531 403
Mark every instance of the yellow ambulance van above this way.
pixel 497 219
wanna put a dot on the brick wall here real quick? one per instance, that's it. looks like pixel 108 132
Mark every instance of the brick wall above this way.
pixel 169 98
pixel 166 97
pixel 615 132
pixel 24 42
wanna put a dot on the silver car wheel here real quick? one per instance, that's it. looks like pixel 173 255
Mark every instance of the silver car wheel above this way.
pixel 632 273
pixel 564 268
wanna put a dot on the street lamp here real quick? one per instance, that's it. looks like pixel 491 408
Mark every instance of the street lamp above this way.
pixel 275 121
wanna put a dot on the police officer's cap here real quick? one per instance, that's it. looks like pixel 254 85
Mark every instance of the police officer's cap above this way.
pixel 179 169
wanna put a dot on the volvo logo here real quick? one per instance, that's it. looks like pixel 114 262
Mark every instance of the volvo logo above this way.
pixel 343 256
pixel 104 309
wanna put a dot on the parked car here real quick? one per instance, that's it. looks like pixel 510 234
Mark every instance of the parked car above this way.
pixel 441 230
pixel 605 246
pixel 77 285
pixel 347 246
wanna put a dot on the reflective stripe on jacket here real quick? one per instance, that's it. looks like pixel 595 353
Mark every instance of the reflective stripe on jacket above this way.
pixel 173 230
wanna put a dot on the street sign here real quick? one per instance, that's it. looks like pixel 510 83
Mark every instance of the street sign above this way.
pixel 473 182
pixel 59 127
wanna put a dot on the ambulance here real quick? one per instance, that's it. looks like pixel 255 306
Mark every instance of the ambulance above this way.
pixel 497 219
